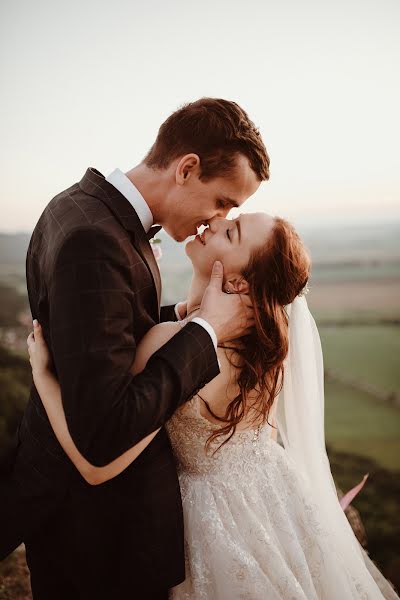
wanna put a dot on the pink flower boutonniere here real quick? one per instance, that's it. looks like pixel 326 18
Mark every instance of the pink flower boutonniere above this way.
pixel 156 247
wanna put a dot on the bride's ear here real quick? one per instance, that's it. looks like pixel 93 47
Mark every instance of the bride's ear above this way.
pixel 236 284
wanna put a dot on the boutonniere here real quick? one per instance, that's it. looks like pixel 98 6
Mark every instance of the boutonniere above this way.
pixel 156 247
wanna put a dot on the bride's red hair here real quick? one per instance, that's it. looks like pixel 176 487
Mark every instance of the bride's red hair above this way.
pixel 277 272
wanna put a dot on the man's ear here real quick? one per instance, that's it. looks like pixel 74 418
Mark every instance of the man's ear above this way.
pixel 236 284
pixel 188 165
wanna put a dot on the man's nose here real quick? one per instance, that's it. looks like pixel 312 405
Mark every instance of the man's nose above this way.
pixel 223 212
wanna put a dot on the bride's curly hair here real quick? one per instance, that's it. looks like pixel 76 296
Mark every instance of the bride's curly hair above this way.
pixel 276 273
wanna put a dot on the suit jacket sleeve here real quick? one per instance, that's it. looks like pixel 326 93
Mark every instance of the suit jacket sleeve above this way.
pixel 92 339
pixel 167 313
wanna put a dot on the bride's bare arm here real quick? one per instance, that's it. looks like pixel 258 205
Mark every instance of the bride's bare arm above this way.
pixel 50 393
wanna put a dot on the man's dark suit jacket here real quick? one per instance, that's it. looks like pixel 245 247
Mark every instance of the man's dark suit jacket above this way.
pixel 95 288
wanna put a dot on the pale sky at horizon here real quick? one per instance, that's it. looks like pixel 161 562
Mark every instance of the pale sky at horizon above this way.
pixel 88 83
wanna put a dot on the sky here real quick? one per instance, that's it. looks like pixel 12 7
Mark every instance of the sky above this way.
pixel 88 83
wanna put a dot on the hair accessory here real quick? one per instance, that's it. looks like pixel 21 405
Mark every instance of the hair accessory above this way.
pixel 305 290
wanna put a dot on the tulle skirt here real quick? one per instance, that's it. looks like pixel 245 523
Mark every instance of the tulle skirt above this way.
pixel 259 536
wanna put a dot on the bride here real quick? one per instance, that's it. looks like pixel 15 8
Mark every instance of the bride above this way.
pixel 262 521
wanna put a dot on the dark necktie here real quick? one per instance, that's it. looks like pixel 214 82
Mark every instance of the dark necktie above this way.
pixel 153 231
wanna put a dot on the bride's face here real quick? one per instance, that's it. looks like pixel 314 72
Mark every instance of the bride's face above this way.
pixel 230 241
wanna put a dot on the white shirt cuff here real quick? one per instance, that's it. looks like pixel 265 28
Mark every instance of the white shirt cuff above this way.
pixel 208 328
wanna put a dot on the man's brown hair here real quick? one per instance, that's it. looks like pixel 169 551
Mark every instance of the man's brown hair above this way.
pixel 217 131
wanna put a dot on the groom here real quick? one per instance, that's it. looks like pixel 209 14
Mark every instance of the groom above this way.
pixel 95 288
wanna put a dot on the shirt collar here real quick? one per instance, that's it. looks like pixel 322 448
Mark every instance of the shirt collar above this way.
pixel 124 185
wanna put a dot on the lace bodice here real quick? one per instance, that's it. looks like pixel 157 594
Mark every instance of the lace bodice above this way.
pixel 189 431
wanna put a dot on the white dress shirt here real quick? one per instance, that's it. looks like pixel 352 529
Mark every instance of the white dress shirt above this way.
pixel 124 185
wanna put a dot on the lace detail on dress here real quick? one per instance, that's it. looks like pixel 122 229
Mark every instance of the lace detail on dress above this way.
pixel 252 531
pixel 189 431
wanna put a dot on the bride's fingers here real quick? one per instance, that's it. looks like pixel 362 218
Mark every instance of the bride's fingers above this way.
pixel 38 335
pixel 37 328
pixel 31 342
pixel 30 339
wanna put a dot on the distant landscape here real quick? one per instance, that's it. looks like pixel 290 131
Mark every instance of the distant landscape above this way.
pixel 355 297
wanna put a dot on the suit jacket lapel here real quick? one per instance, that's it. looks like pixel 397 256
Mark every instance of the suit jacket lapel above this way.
pixel 143 246
pixel 94 184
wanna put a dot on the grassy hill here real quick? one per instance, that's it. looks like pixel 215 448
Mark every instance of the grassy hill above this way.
pixel 367 352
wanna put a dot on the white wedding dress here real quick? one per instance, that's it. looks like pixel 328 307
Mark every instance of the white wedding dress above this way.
pixel 252 530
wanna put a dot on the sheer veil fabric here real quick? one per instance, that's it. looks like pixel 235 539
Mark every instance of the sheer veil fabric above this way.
pixel 300 421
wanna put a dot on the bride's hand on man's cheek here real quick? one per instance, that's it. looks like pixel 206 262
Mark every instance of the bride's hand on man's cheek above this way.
pixel 39 355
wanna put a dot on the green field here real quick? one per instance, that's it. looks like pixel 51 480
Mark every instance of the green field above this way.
pixel 359 424
pixel 355 421
pixel 369 353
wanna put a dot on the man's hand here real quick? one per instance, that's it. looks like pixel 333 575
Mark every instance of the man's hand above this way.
pixel 231 315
